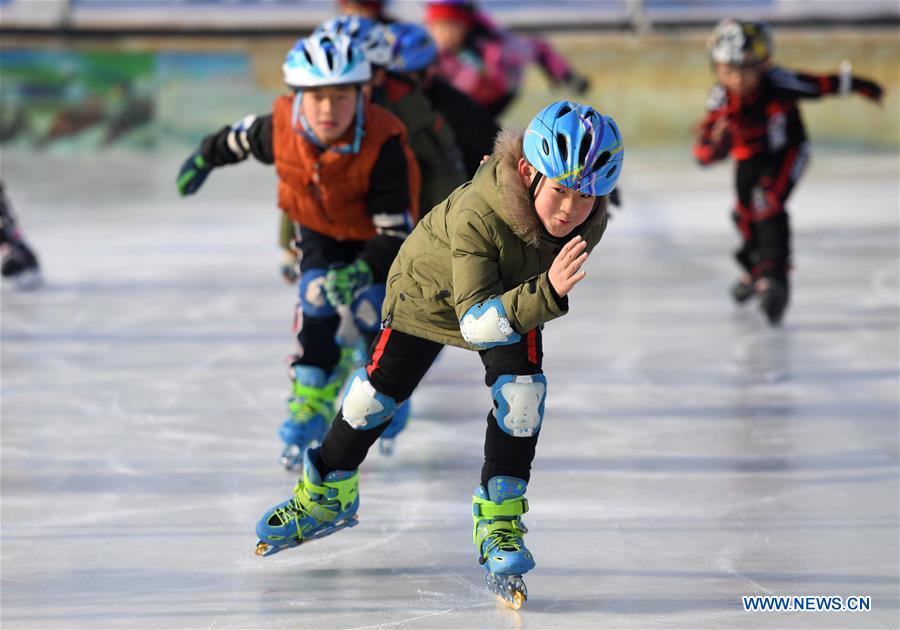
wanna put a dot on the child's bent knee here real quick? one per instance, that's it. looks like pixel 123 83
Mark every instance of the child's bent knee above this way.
pixel 520 403
pixel 363 406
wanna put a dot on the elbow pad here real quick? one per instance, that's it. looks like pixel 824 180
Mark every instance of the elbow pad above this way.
pixel 486 325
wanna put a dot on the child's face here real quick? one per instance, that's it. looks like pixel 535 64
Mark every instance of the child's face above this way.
pixel 739 80
pixel 329 111
pixel 560 209
pixel 448 35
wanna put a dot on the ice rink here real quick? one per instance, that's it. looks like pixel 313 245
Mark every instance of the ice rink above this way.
pixel 690 454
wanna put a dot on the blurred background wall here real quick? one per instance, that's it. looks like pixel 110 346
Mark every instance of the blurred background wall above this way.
pixel 158 74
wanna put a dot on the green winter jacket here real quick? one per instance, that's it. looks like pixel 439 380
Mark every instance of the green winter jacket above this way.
pixel 484 240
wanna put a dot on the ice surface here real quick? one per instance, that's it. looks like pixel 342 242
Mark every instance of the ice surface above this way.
pixel 689 455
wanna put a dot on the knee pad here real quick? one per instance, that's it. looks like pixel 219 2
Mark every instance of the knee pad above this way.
pixel 363 406
pixel 312 294
pixel 486 325
pixel 367 309
pixel 519 402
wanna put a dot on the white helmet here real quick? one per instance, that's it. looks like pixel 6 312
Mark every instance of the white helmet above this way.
pixel 739 43
pixel 370 36
pixel 323 60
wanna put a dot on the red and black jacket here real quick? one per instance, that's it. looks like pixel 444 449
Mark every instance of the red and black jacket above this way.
pixel 767 121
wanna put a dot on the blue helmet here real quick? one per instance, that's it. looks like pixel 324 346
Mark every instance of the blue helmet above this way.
pixel 368 35
pixel 576 146
pixel 324 60
pixel 413 48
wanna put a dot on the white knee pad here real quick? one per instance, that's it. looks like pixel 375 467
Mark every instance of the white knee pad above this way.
pixel 520 403
pixel 363 406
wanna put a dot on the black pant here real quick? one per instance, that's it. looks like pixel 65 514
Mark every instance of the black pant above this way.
pixel 398 362
pixel 315 335
pixel 764 184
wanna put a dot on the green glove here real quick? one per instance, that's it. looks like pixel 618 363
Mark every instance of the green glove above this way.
pixel 343 283
pixel 192 174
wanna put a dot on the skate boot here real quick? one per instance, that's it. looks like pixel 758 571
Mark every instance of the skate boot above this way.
pixel 773 298
pixel 395 427
pixel 742 290
pixel 21 265
pixel 318 508
pixel 496 512
pixel 312 408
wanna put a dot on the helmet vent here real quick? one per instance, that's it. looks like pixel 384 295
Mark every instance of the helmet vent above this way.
pixel 601 160
pixel 307 55
pixel 611 172
pixel 585 147
pixel 563 144
pixel 545 146
pixel 565 109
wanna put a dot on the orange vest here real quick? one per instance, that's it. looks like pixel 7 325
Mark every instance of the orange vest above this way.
pixel 326 191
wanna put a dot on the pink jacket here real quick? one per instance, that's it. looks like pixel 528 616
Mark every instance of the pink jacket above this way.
pixel 490 68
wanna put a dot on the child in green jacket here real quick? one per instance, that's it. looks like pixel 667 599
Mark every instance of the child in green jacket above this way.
pixel 484 270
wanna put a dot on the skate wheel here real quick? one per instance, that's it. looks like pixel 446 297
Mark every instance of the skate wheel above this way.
pixel 261 548
pixel 518 599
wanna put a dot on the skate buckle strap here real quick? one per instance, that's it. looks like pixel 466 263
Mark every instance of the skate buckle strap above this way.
pixel 311 401
pixel 344 492
pixel 488 509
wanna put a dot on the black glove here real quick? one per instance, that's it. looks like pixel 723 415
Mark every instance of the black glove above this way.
pixel 577 83
pixel 869 89
pixel 614 198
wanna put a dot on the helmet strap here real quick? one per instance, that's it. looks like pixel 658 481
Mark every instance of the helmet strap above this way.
pixel 303 128
pixel 532 190
pixel 360 121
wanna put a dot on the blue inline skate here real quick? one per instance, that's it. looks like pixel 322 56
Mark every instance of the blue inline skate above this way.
pixel 312 408
pixel 497 509
pixel 318 508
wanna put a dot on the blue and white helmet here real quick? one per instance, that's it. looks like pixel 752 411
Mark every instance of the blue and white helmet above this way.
pixel 413 48
pixel 368 35
pixel 323 60
pixel 576 146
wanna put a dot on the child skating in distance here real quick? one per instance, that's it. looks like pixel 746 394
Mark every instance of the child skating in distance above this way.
pixel 487 62
pixel 19 262
pixel 753 114
pixel 349 181
pixel 484 270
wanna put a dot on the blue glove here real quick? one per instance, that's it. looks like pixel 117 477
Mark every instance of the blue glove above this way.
pixel 343 283
pixel 192 174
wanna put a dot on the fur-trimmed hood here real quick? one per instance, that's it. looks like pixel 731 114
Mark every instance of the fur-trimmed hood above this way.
pixel 512 201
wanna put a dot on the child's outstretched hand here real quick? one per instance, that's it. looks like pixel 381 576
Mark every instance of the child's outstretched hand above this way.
pixel 869 89
pixel 565 272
